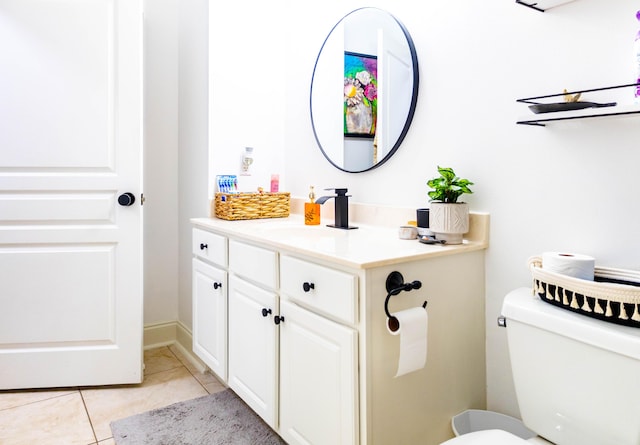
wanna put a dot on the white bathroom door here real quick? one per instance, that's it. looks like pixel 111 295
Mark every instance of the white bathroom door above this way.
pixel 70 146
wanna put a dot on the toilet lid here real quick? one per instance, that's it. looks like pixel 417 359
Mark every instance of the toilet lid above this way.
pixel 486 437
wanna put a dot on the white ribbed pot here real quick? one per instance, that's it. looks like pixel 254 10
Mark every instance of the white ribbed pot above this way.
pixel 449 221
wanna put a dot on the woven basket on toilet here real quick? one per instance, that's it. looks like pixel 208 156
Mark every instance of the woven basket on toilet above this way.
pixel 613 295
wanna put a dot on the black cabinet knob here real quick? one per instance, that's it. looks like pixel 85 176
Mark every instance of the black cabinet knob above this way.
pixel 265 311
pixel 126 199
pixel 308 286
pixel 217 285
pixel 203 246
pixel 278 319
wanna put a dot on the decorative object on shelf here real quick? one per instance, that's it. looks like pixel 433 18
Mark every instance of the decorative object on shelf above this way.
pixel 448 218
pixel 567 106
pixel 613 295
pixel 636 47
pixel 571 102
pixel 568 97
pixel 539 107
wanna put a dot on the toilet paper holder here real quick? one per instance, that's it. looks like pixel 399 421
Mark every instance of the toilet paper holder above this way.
pixel 395 284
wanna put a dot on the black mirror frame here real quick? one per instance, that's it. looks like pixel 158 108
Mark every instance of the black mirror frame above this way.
pixel 414 94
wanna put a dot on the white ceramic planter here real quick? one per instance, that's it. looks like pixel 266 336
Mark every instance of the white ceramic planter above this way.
pixel 449 221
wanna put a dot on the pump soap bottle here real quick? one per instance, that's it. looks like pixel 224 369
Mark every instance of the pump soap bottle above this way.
pixel 311 210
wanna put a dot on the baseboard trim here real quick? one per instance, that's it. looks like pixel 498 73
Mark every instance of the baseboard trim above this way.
pixel 172 333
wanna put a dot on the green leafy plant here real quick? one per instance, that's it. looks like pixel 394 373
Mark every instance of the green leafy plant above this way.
pixel 448 187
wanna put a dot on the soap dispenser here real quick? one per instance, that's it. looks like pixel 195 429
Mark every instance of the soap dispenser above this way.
pixel 311 210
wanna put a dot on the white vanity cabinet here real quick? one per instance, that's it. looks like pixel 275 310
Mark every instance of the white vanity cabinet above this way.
pixel 318 356
pixel 209 289
pixel 253 335
pixel 318 379
pixel 291 365
pixel 308 344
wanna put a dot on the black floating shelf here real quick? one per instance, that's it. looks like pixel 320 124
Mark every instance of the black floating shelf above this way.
pixel 541 119
pixel 540 5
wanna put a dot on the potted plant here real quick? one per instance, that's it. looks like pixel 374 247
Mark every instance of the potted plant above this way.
pixel 448 218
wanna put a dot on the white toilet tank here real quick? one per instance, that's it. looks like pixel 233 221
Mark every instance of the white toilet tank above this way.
pixel 577 379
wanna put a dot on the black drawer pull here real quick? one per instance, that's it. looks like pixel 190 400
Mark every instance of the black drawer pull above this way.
pixel 203 246
pixel 308 286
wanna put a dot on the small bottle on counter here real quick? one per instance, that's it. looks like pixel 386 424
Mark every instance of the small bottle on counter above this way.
pixel 311 210
pixel 275 183
pixel 247 160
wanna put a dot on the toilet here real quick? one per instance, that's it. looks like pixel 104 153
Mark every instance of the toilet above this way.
pixel 577 379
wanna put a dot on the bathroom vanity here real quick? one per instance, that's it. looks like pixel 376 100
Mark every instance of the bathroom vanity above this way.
pixel 292 318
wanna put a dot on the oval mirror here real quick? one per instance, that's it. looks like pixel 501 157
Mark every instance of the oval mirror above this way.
pixel 364 90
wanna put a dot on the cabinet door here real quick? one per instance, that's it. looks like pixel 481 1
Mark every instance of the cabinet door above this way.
pixel 210 316
pixel 253 370
pixel 318 379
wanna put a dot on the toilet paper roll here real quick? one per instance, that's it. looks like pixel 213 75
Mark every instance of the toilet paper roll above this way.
pixel 570 264
pixel 413 338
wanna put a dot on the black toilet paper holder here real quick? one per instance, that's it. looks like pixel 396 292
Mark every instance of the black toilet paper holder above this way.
pixel 395 284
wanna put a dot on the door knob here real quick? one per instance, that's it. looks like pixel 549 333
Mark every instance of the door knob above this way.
pixel 126 199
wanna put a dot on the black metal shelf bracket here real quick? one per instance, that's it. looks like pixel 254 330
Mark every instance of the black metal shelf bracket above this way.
pixel 530 5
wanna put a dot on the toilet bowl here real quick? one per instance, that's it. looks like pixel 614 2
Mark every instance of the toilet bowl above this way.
pixel 487 437
pixel 494 437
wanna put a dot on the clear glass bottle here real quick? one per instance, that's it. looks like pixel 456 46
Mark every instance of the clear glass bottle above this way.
pixel 247 160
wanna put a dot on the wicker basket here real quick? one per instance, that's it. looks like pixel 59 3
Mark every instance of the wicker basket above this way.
pixel 613 296
pixel 237 206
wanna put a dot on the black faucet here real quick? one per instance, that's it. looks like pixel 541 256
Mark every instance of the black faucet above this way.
pixel 341 220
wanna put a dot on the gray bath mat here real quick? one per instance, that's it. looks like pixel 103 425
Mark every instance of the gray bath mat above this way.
pixel 217 419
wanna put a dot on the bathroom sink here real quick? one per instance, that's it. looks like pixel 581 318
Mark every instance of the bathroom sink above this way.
pixel 293 228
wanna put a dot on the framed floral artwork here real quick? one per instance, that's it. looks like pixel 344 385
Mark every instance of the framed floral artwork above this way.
pixel 360 95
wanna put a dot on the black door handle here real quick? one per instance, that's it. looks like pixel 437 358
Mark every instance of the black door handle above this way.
pixel 126 199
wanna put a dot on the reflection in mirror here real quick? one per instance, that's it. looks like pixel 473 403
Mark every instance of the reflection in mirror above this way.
pixel 364 90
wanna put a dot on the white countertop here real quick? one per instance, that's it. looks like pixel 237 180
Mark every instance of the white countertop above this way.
pixel 361 248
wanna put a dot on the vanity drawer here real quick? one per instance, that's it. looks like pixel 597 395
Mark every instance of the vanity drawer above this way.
pixel 254 263
pixel 329 291
pixel 210 246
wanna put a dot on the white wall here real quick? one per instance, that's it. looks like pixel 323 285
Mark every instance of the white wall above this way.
pixel 176 153
pixel 161 160
pixel 546 188
pixel 193 149
pixel 247 89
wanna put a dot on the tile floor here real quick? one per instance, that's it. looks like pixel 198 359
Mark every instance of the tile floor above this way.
pixel 81 416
